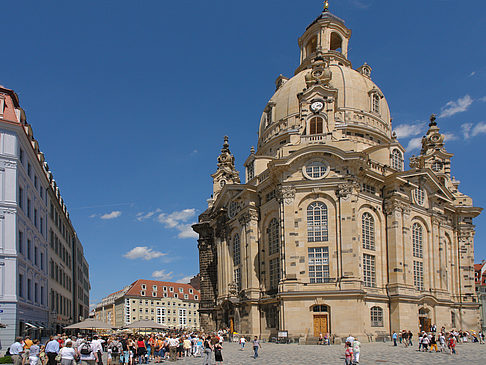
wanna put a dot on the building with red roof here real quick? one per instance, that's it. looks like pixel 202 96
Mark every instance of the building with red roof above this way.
pixel 175 305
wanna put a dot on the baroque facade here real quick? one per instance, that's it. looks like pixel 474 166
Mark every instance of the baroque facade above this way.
pixel 329 232
pixel 41 286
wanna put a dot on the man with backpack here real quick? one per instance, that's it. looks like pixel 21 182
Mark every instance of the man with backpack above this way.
pixel 88 353
pixel 114 350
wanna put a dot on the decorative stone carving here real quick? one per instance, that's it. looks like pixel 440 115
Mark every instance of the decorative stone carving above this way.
pixel 320 73
pixel 233 289
pixel 286 194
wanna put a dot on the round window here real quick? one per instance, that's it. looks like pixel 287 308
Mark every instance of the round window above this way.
pixel 316 170
pixel 222 183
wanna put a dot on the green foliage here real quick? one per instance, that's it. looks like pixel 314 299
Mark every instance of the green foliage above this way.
pixel 6 360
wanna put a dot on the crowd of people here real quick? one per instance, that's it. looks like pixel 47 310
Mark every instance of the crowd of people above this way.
pixel 126 349
pixel 443 341
pixel 136 349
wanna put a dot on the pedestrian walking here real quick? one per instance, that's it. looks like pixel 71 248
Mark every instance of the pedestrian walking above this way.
pixel 394 336
pixel 67 354
pixel 208 349
pixel 218 354
pixel 242 343
pixel 256 346
pixel 34 353
pixel 356 350
pixel 348 353
pixel 52 349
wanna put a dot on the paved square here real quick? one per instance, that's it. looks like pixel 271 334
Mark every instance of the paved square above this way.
pixel 371 353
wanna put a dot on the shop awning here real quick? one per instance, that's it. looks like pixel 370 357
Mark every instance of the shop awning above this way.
pixel 30 325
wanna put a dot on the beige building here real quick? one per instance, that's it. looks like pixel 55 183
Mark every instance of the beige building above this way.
pixel 329 233
pixel 172 304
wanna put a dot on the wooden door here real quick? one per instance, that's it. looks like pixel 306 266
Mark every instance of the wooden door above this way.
pixel 320 324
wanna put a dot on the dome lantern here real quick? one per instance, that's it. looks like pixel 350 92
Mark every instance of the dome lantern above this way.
pixel 327 36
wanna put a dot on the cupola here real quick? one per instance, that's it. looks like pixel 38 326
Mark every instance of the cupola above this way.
pixel 328 37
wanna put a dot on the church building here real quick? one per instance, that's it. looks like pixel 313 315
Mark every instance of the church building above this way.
pixel 330 232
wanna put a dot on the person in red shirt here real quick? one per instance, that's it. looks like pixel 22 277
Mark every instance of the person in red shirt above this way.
pixel 348 354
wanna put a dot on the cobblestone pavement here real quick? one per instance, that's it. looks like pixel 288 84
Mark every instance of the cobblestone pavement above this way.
pixel 371 353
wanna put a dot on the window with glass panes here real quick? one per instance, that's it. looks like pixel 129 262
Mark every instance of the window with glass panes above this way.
pixel 418 275
pixel 274 270
pixel 182 316
pixel 318 264
pixel 417 240
pixel 316 125
pixel 273 237
pixel 419 195
pixel 368 231
pixel 376 317
pixel 237 278
pixel 396 160
pixel 369 271
pixel 376 103
pixel 317 222
pixel 236 250
pixel 316 169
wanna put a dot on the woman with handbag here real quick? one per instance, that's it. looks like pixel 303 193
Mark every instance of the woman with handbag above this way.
pixel 67 354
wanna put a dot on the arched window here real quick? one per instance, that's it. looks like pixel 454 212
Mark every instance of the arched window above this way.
pixel 316 125
pixel 311 46
pixel 368 231
pixel 396 160
pixel 336 42
pixel 376 317
pixel 273 237
pixel 317 222
pixel 419 196
pixel 236 250
pixel 376 103
pixel 417 240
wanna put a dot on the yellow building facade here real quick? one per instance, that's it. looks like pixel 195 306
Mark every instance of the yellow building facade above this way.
pixel 330 233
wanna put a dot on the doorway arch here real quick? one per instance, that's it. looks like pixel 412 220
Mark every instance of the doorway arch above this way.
pixel 424 319
pixel 321 319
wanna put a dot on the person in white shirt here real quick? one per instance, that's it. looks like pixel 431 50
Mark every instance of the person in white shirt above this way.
pixel 88 353
pixel 242 342
pixel 350 339
pixel 356 350
pixel 34 353
pixel 67 354
pixel 16 351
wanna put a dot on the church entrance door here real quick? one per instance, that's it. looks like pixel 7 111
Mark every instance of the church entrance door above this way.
pixel 320 324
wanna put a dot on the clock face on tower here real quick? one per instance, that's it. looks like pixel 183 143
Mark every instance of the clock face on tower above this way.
pixel 317 106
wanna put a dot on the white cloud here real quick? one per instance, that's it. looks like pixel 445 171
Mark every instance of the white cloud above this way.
pixel 472 130
pixel 143 216
pixel 143 252
pixel 179 220
pixel 472 74
pixel 414 144
pixel 409 130
pixel 184 280
pixel 483 99
pixel 93 215
pixel 112 215
pixel 450 137
pixel 161 274
pixel 454 107
pixel 186 231
pixel 176 218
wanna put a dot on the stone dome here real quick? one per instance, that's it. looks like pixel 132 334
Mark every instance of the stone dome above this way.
pixel 354 101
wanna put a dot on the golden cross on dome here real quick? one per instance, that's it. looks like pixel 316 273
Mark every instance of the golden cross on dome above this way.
pixel 326 5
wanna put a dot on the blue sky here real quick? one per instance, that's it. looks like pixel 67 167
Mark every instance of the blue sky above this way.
pixel 130 101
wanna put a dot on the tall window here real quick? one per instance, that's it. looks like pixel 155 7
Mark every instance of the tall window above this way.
pixel 273 237
pixel 316 125
pixel 21 242
pixel 182 316
pixel 376 317
pixel 21 198
pixel 419 195
pixel 417 240
pixel 274 273
pixel 236 250
pixel 29 289
pixel 21 285
pixel 237 278
pixel 418 275
pixel 317 222
pixel 369 270
pixel 368 231
pixel 396 160
pixel 376 103
pixel 318 264
pixel 29 248
pixel 161 315
pixel 250 170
